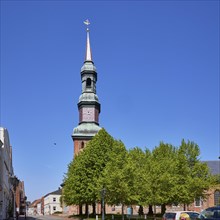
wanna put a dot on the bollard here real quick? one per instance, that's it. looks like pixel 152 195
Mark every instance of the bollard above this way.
pixel 97 217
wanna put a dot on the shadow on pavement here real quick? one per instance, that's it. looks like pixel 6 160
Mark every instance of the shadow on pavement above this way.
pixel 44 217
pixel 27 218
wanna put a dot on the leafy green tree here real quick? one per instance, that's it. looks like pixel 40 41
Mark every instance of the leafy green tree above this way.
pixel 75 183
pixel 141 165
pixel 162 177
pixel 126 176
pixel 116 179
pixel 216 179
pixel 193 176
pixel 81 181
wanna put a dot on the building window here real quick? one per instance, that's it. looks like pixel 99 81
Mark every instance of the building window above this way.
pixel 198 202
pixel 88 82
pixel 217 197
pixel 82 145
pixel 54 208
pixel 54 199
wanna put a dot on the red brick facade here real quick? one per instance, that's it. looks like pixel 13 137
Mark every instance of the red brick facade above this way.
pixel 20 198
pixel 79 145
pixel 208 202
pixel 203 204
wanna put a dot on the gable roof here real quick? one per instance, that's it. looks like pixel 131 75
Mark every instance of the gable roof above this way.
pixel 56 192
pixel 35 202
pixel 214 166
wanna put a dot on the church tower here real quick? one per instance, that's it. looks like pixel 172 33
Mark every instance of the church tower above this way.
pixel 88 105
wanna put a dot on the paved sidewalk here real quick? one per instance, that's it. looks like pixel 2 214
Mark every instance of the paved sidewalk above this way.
pixel 45 217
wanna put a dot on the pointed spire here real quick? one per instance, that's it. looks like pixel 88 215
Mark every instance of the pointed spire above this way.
pixel 88 48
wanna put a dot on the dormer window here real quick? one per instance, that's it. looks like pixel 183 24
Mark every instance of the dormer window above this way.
pixel 88 82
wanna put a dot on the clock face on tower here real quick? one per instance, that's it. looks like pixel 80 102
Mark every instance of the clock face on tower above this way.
pixel 88 114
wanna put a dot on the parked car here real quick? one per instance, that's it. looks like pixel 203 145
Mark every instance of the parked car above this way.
pixel 180 215
pixel 210 213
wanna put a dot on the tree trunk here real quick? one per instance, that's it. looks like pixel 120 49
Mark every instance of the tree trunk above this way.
pixel 163 208
pixel 80 210
pixel 141 210
pixel 94 209
pixel 122 212
pixel 150 211
pixel 87 210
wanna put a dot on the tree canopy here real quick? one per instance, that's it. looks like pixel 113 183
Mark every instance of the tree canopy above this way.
pixel 165 175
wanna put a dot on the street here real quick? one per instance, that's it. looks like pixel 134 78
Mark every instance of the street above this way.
pixel 43 217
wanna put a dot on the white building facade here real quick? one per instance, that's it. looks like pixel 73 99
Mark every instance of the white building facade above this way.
pixel 39 209
pixel 6 171
pixel 52 202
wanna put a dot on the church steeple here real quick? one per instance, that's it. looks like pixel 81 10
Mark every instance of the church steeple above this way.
pixel 88 105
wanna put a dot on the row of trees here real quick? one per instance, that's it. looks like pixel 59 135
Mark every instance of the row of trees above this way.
pixel 165 175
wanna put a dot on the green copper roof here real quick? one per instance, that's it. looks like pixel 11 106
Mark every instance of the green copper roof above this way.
pixel 88 66
pixel 92 97
pixel 86 130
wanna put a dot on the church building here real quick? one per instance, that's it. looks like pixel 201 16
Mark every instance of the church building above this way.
pixel 88 106
pixel 89 109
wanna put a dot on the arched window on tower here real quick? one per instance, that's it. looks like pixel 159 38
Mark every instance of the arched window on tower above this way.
pixel 82 145
pixel 217 197
pixel 88 82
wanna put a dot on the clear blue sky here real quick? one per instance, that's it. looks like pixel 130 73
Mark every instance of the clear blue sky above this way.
pixel 158 78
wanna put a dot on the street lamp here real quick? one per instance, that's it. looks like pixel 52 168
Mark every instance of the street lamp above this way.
pixel 103 191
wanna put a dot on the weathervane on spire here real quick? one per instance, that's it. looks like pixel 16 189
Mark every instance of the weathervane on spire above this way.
pixel 87 23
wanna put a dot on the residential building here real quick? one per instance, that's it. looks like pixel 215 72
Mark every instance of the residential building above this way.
pixel 39 208
pixel 21 198
pixel 12 194
pixel 33 208
pixel 52 202
pixel 28 204
pixel 6 174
